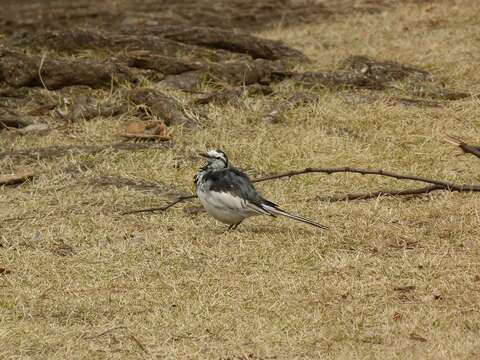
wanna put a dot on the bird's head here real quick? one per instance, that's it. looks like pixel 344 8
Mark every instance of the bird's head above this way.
pixel 216 159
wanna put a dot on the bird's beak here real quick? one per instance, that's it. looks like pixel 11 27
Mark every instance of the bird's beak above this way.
pixel 203 155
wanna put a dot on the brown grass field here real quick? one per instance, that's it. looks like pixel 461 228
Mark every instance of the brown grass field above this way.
pixel 393 278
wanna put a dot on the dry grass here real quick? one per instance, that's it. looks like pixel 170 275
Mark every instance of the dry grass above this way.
pixel 174 285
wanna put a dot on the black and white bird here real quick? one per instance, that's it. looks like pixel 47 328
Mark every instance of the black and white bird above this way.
pixel 229 196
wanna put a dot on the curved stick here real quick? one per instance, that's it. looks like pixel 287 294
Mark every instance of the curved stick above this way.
pixel 443 184
pixel 161 208
pixel 375 194
pixel 435 186
pixel 466 148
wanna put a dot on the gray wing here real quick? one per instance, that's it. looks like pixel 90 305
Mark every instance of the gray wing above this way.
pixel 237 183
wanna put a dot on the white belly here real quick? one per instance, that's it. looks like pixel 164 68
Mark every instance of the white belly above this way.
pixel 224 207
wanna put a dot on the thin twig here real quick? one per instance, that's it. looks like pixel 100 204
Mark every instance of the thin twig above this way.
pixel 329 171
pixel 470 149
pixel 372 195
pixel 105 332
pixel 140 345
pixel 161 208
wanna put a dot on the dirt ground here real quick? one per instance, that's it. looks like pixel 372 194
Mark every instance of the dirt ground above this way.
pixel 104 107
pixel 247 15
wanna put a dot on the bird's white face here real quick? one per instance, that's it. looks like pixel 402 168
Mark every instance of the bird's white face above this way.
pixel 216 159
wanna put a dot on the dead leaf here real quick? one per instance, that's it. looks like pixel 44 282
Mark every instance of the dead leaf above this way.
pixel 397 316
pixel 160 130
pixel 154 131
pixel 416 337
pixel 136 127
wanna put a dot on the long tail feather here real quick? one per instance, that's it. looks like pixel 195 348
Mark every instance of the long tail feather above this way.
pixel 259 209
pixel 276 211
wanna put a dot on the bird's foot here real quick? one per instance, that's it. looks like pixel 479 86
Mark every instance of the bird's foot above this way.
pixel 233 226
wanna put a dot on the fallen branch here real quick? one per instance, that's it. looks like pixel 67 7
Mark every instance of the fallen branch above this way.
pixel 73 41
pixel 376 194
pixel 161 208
pixel 234 41
pixel 468 149
pixel 436 185
pixel 444 184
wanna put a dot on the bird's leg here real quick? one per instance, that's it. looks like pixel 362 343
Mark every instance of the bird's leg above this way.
pixel 234 226
pixel 231 227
